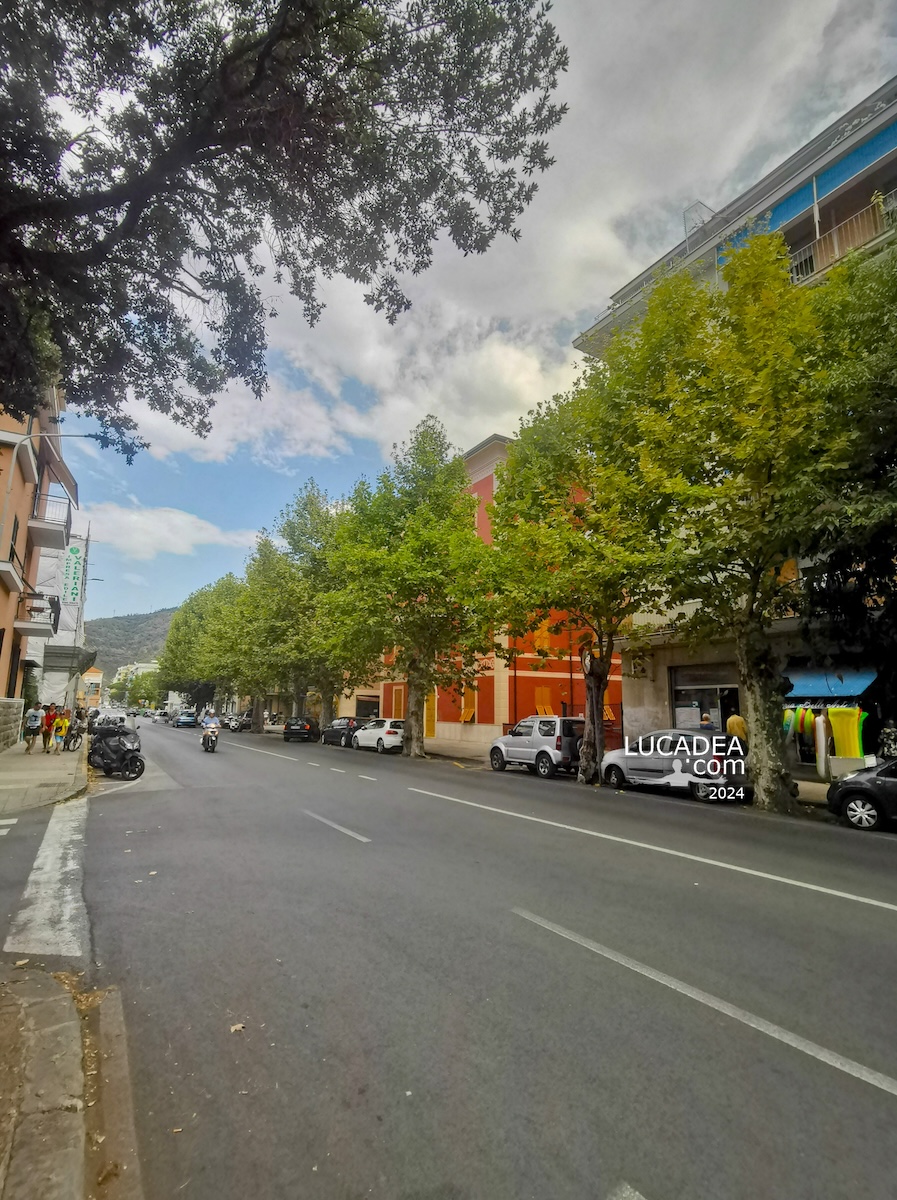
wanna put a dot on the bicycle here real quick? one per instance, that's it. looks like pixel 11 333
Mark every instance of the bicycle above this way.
pixel 74 738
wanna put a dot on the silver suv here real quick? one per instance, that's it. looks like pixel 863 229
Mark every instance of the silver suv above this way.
pixel 541 744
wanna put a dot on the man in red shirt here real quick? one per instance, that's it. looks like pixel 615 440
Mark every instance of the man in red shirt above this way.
pixel 47 731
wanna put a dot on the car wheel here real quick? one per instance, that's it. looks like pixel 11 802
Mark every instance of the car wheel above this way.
pixel 381 749
pixel 344 741
pixel 861 812
pixel 545 768
pixel 355 745
pixel 615 778
pixel 705 792
pixel 531 767
pixel 497 760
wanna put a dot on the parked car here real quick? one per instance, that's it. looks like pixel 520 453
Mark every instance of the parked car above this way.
pixel 709 766
pixel 132 712
pixel 383 735
pixel 301 729
pixel 240 722
pixel 341 731
pixel 185 718
pixel 541 744
pixel 866 799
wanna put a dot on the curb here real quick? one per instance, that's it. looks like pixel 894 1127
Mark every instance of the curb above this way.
pixel 42 1133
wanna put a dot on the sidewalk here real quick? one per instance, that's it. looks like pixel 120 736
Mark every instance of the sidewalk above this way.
pixel 42 1130
pixel 32 780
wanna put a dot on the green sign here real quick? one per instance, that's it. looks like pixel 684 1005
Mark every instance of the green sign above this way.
pixel 73 574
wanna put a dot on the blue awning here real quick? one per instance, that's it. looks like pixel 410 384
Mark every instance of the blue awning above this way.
pixel 845 683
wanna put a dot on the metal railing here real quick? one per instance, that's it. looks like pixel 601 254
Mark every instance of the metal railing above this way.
pixel 860 229
pixel 55 509
pixel 40 611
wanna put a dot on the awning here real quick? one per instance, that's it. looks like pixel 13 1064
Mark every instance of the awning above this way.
pixel 837 684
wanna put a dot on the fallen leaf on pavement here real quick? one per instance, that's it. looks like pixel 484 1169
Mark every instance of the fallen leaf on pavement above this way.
pixel 23 962
pixel 237 1028
pixel 177 1131
pixel 154 872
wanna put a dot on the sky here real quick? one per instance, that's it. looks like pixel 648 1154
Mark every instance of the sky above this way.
pixel 668 104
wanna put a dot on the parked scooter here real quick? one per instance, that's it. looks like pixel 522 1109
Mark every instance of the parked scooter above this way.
pixel 115 750
pixel 210 738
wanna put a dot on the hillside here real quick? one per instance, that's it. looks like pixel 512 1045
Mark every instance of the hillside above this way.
pixel 137 637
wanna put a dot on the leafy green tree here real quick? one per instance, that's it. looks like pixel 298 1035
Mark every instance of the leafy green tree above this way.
pixel 144 689
pixel 728 408
pixel 207 140
pixel 195 659
pixel 415 577
pixel 579 533
pixel 118 691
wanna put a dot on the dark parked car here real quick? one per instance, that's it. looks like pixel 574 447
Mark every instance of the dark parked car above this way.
pixel 240 722
pixel 343 729
pixel 866 799
pixel 301 729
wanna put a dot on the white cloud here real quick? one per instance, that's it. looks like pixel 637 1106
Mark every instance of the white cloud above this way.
pixel 144 533
pixel 135 580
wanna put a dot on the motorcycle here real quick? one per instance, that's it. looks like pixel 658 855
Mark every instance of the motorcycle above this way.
pixel 115 750
pixel 210 738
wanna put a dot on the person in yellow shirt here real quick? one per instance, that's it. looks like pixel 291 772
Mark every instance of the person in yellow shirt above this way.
pixel 60 729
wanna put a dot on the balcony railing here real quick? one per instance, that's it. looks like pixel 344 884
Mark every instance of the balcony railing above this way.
pixel 50 523
pixel 860 229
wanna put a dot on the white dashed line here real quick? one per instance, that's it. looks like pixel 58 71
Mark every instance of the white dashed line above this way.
pixel 3 832
pixel 884 1082
pixel 339 770
pixel 708 862
pixel 333 825
pixel 9 821
pixel 256 750
pixel 369 777
pixel 311 764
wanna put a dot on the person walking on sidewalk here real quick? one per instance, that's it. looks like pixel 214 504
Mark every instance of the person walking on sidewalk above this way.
pixel 34 719
pixel 47 729
pixel 60 729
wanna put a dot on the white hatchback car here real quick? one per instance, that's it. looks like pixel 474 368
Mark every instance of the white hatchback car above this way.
pixel 384 736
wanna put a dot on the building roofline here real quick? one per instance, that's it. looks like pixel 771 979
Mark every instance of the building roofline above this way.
pixel 493 437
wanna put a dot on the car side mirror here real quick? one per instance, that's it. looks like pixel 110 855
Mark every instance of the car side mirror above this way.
pixel 515 733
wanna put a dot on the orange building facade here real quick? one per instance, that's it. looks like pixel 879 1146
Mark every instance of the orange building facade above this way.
pixel 507 691
pixel 37 492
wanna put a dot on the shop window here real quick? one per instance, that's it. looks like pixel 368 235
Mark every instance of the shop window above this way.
pixel 711 689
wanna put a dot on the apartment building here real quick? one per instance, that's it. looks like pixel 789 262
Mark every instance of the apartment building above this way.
pixel 37 493
pixel 836 194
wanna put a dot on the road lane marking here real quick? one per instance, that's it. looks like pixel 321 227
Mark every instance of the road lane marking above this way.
pixel 3 832
pixel 709 862
pixel 339 770
pixel 256 750
pixel 333 825
pixel 370 777
pixel 53 919
pixel 9 821
pixel 625 1192
pixel 813 1049
pixel 120 788
pixel 311 764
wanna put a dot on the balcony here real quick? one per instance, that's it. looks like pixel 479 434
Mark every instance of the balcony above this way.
pixel 12 572
pixel 50 524
pixel 37 617
pixel 869 225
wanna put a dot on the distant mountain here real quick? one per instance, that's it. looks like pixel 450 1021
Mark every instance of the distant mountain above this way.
pixel 137 637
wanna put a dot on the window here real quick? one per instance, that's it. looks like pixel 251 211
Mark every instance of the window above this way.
pixel 546 728
pixel 524 729
pixel 543 701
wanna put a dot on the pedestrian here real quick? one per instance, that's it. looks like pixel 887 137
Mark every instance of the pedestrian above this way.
pixel 887 742
pixel 736 726
pixel 60 729
pixel 707 725
pixel 47 728
pixel 34 719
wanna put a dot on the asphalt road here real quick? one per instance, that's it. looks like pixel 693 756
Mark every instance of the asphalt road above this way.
pixel 347 976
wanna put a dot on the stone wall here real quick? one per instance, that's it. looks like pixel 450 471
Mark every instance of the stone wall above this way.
pixel 11 714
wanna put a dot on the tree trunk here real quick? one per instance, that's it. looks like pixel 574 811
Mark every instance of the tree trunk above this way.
pixel 413 741
pixel 595 669
pixel 327 707
pixel 258 721
pixel 761 689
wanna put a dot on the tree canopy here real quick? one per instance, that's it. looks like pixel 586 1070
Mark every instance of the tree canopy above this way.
pixel 159 155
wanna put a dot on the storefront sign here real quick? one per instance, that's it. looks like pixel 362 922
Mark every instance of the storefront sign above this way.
pixel 73 574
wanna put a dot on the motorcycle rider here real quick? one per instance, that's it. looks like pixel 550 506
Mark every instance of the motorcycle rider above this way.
pixel 209 721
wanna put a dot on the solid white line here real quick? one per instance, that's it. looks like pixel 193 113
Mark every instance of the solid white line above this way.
pixel 339 770
pixel 120 788
pixel 709 862
pixel 333 825
pixel 53 919
pixel 370 777
pixel 847 1065
pixel 9 821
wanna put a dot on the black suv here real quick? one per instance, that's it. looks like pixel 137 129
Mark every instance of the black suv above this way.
pixel 302 729
pixel 341 732
pixel 866 799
